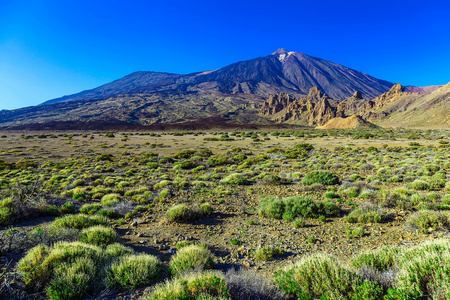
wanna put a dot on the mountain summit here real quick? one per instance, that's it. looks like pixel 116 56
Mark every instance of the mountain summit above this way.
pixel 282 71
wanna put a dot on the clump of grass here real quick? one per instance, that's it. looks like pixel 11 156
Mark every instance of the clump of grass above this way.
pixel 98 235
pixel 318 276
pixel 321 177
pixel 428 220
pixel 355 233
pixel 72 280
pixel 67 208
pixel 191 257
pixel 90 209
pixel 165 193
pixel 368 213
pixel 198 285
pixel 268 253
pixel 420 185
pixel 298 222
pixel 381 260
pixel 234 179
pixel 182 212
pixel 133 271
pixel 80 221
pixel 110 199
pixel 38 265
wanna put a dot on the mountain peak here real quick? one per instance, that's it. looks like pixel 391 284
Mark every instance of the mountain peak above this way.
pixel 280 51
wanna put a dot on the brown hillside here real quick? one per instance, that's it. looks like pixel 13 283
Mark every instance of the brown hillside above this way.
pixel 346 123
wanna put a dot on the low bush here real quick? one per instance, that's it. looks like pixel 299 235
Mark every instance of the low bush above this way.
pixel 381 260
pixel 428 220
pixel 110 199
pixel 199 285
pixel 182 212
pixel 298 206
pixel 318 276
pixel 368 213
pixel 38 266
pixel 355 233
pixel 234 179
pixel 191 257
pixel 68 208
pixel 116 250
pixel 268 253
pixel 72 280
pixel 133 271
pixel 298 222
pixel 90 209
pixel 98 235
pixel 322 177
pixel 80 221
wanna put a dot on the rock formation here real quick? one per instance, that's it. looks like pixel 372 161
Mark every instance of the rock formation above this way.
pixel 314 109
pixel 276 103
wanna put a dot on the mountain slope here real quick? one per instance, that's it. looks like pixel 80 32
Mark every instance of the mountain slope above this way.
pixel 121 86
pixel 282 71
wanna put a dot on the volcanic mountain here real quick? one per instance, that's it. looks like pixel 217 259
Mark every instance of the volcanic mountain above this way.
pixel 228 96
pixel 282 71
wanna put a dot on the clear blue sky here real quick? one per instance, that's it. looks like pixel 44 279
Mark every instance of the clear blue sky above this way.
pixel 53 48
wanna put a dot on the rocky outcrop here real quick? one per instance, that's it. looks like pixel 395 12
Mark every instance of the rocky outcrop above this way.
pixel 314 109
pixel 275 104
pixel 393 93
pixel 350 105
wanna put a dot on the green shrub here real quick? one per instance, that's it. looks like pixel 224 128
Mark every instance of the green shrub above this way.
pixel 235 179
pixel 72 280
pixel 165 193
pixel 298 222
pixel 206 209
pixel 51 210
pixel 192 286
pixel 80 221
pixel 98 235
pixel 68 208
pixel 133 271
pixel 425 276
pixel 354 233
pixel 382 260
pixel 110 199
pixel 368 213
pixel 428 220
pixel 6 211
pixel 318 276
pixel 420 185
pixel 90 209
pixel 162 184
pixel 117 250
pixel 38 266
pixel 302 206
pixel 268 253
pixel 271 207
pixel 322 177
pixel 367 290
pixel 181 212
pixel 191 257
pixel 271 179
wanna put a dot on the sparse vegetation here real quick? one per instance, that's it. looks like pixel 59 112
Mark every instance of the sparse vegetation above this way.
pixel 251 199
